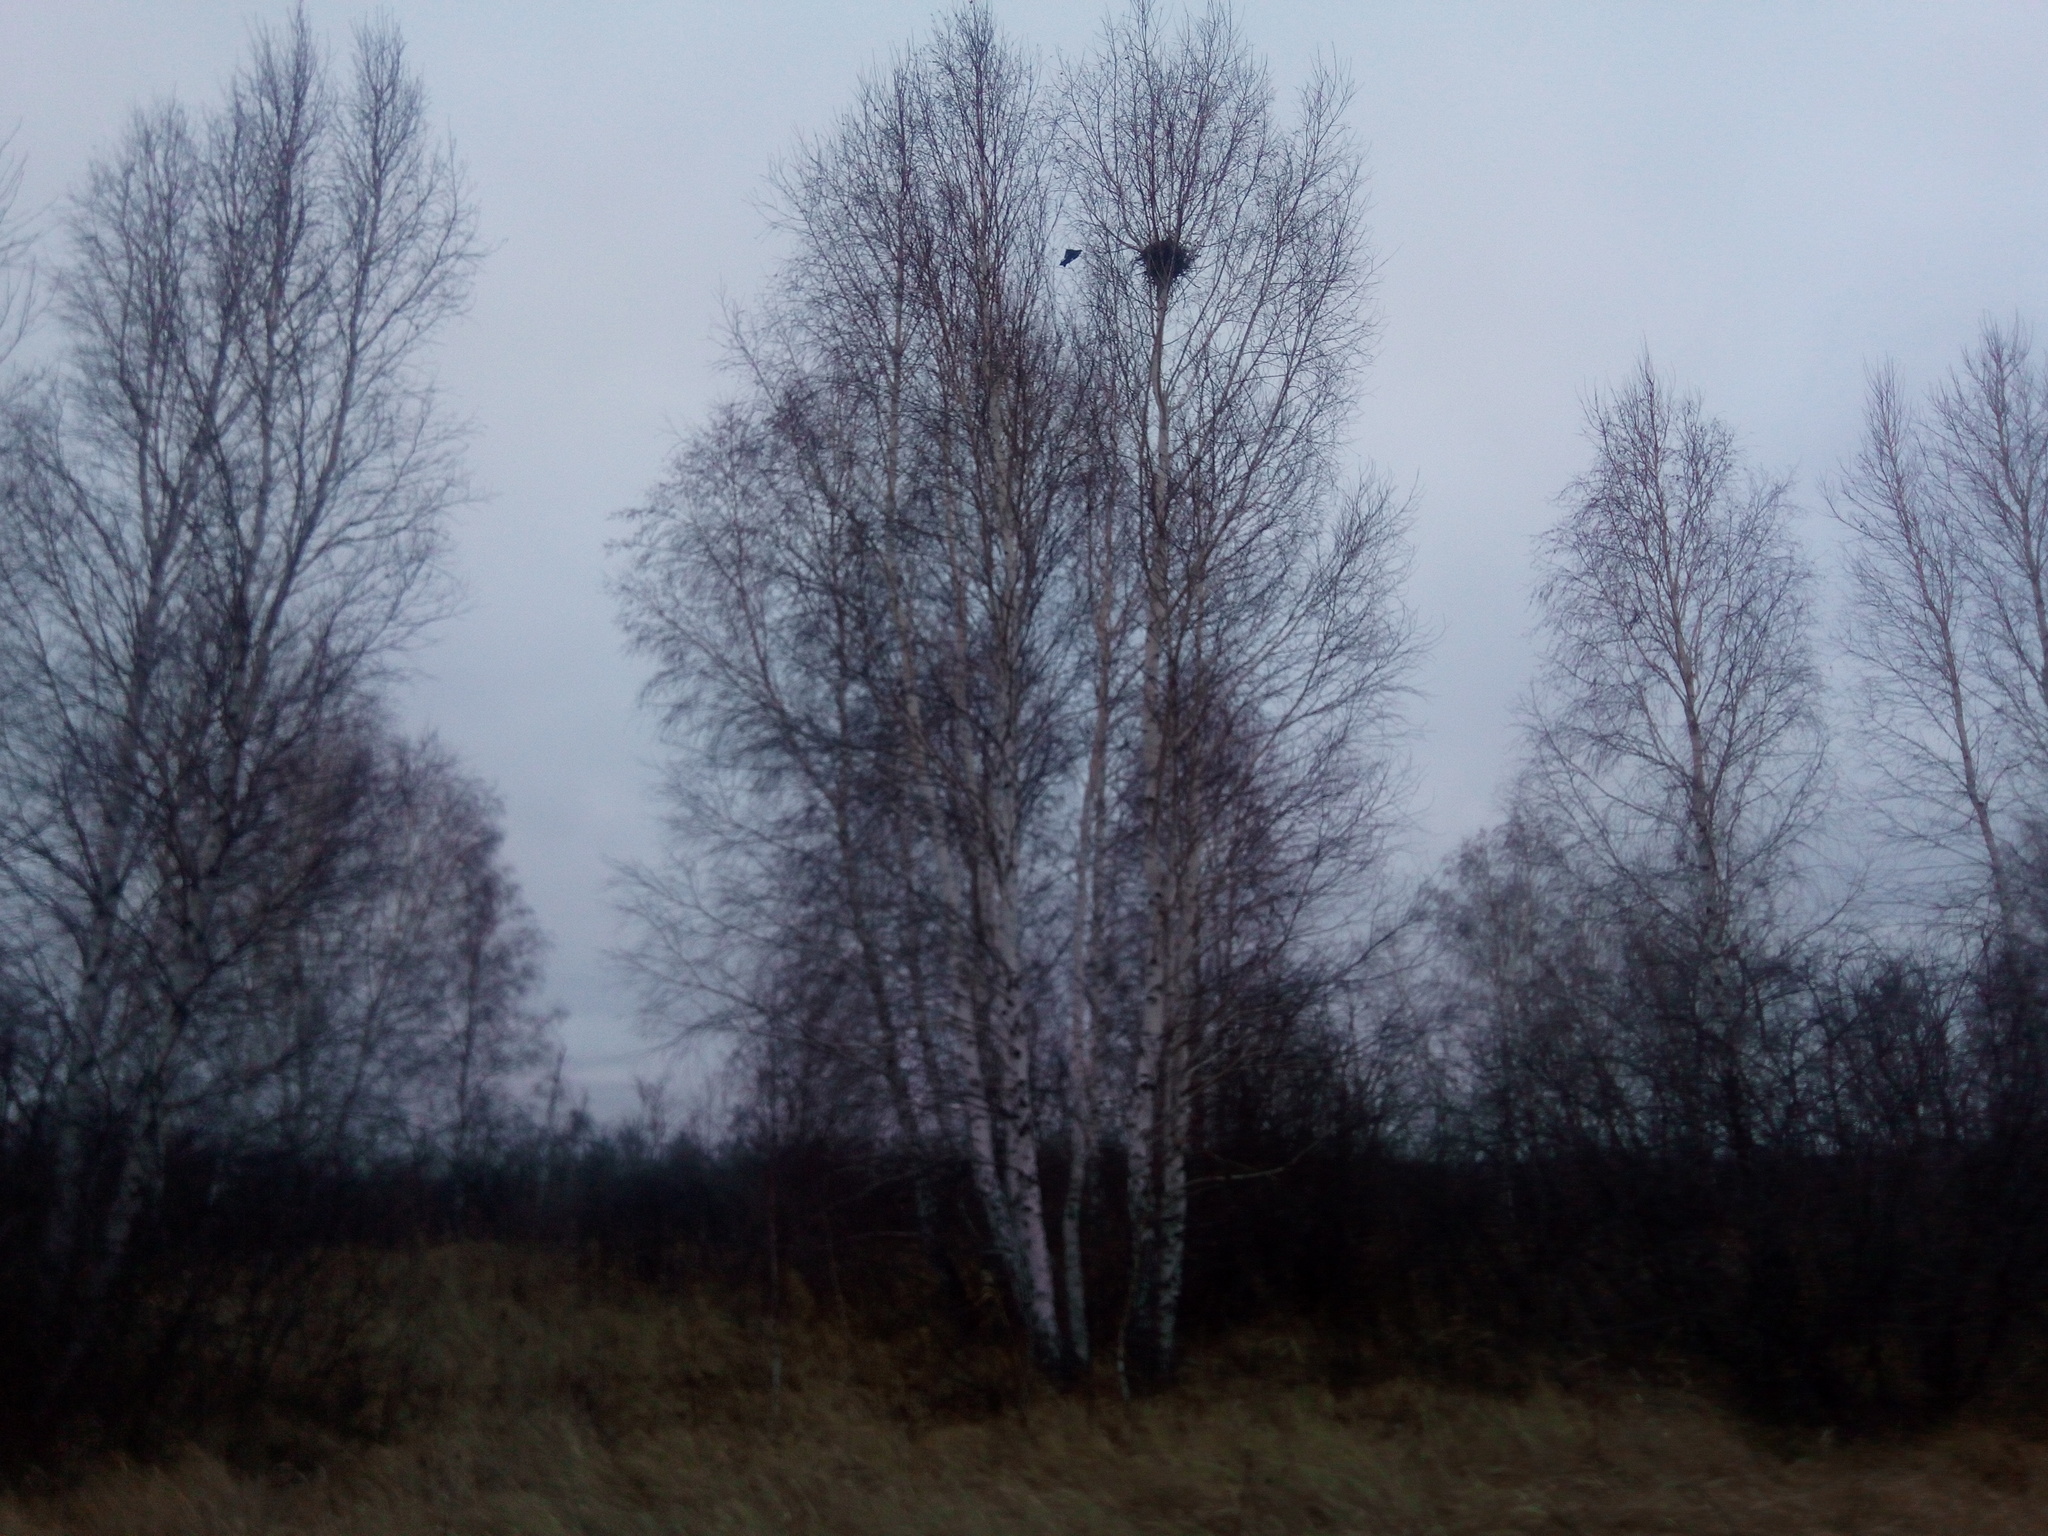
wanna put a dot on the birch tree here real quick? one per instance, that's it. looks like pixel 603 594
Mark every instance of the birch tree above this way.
pixel 1920 631
pixel 1675 731
pixel 1948 503
pixel 1001 568
pixel 395 1017
pixel 1989 428
pixel 220 523
pixel 878 562
pixel 1227 283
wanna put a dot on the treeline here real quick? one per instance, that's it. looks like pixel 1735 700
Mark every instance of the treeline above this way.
pixel 1781 1110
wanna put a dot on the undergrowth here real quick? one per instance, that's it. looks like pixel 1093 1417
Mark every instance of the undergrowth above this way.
pixel 494 1390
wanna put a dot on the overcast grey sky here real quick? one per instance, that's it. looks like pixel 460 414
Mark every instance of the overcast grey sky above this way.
pixel 1769 197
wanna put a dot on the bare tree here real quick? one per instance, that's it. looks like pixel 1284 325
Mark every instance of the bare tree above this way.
pixel 1529 991
pixel 871 546
pixel 933 601
pixel 1227 280
pixel 1949 505
pixel 1001 458
pixel 1919 630
pixel 220 523
pixel 1675 731
pixel 787 916
pixel 396 1016
pixel 1989 429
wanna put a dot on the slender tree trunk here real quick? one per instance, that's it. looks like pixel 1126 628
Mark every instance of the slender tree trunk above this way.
pixel 1145 1351
pixel 1086 947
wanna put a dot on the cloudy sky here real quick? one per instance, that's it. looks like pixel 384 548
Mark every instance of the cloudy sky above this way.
pixel 1770 198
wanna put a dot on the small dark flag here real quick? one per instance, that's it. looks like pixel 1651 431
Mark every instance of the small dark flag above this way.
pixel 1071 257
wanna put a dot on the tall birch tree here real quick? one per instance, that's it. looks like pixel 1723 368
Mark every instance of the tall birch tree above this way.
pixel 1676 733
pixel 1228 279
pixel 1006 577
pixel 220 522
pixel 878 557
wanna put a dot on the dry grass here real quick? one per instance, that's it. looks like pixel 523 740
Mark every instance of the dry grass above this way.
pixel 521 1401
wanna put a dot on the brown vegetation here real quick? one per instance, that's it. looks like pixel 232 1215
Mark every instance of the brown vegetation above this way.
pixel 519 1394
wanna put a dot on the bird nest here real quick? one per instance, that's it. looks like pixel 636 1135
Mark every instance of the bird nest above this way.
pixel 1164 260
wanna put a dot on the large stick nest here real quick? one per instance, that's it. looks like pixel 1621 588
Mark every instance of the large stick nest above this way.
pixel 1164 260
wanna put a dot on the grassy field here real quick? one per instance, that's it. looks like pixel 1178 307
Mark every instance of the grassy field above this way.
pixel 501 1394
